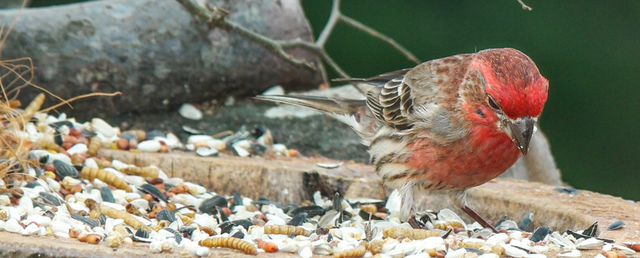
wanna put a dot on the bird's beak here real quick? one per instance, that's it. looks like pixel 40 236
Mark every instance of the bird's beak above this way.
pixel 521 131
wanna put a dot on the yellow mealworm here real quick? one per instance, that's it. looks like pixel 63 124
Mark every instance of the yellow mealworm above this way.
pixel 77 159
pixel 230 242
pixel 447 225
pixel 128 218
pixel 105 176
pixel 411 233
pixel 351 253
pixel 33 107
pixel 102 163
pixel 94 145
pixel 375 246
pixel 143 172
pixel 45 143
pixel 285 230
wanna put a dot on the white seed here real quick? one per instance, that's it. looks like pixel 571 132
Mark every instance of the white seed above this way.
pixel 140 204
pixel 79 148
pixel 274 90
pixel 205 220
pixel 31 229
pixel 59 156
pixel 199 138
pixel 134 180
pixel 187 200
pixel 591 243
pixel 280 149
pixel 189 111
pixel 202 251
pixel 195 189
pixel 241 152
pixel 206 152
pixel 498 238
pixel 101 127
pixel 155 246
pixel 149 146
pixel 623 249
pixel 513 251
pixel 305 251
pixel 90 162
pixel 394 203
pixel 458 253
pixel 13 226
pixel 288 245
pixel 38 219
pixel 53 184
pixel 60 228
pixel 4 200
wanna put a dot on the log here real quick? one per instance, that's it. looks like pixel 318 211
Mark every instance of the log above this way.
pixel 155 52
pixel 502 196
pixel 292 180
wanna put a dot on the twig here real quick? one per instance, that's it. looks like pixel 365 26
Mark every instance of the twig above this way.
pixel 524 6
pixel 217 17
pixel 380 36
pixel 334 17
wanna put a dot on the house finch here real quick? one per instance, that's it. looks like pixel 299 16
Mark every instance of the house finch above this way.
pixel 446 124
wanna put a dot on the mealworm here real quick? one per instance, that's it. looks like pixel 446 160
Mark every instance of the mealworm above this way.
pixel 105 176
pixel 143 172
pixel 411 233
pixel 285 230
pixel 230 242
pixel 94 145
pixel 45 143
pixel 375 246
pixel 78 159
pixel 128 218
pixel 351 253
pixel 447 225
pixel 33 107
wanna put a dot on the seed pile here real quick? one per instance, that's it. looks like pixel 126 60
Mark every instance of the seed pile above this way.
pixel 67 191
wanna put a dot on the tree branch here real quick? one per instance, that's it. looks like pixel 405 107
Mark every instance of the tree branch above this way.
pixel 217 17
pixel 380 36
pixel 331 23
pixel 524 6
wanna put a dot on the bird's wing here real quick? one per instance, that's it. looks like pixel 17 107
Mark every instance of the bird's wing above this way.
pixel 425 85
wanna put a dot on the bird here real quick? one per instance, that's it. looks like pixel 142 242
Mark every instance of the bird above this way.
pixel 445 125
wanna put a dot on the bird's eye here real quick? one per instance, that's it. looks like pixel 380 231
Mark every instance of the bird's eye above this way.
pixel 492 103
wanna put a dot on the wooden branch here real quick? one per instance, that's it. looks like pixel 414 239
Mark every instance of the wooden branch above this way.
pixel 331 23
pixel 216 17
pixel 524 6
pixel 356 24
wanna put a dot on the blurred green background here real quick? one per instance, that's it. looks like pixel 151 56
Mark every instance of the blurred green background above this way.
pixel 589 50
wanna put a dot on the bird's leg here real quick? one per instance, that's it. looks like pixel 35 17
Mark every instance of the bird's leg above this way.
pixel 459 199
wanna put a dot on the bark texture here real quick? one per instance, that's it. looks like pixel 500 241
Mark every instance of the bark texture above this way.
pixel 155 52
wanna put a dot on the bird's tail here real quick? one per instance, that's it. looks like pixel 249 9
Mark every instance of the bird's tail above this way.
pixel 327 105
pixel 353 112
